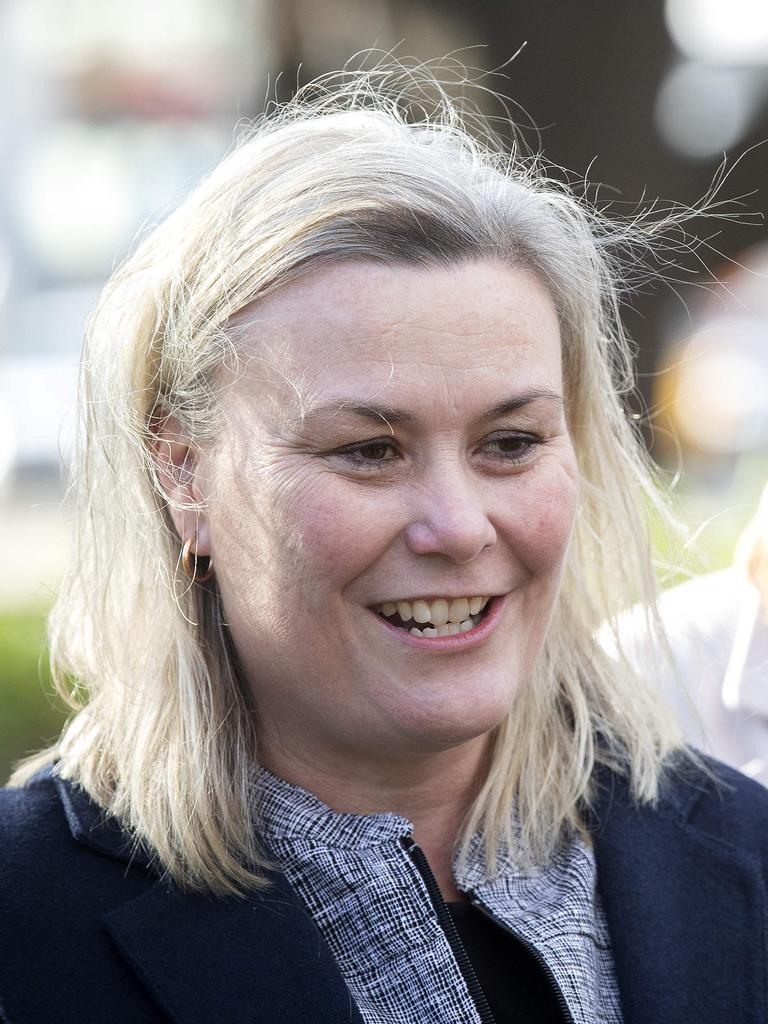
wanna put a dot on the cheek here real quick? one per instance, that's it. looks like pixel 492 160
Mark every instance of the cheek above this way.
pixel 338 531
pixel 544 516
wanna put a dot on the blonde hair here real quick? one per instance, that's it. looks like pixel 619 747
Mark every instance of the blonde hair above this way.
pixel 361 167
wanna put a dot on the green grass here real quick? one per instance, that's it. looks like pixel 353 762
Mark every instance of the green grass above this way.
pixel 30 714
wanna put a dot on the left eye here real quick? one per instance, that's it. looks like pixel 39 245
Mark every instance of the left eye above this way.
pixel 511 447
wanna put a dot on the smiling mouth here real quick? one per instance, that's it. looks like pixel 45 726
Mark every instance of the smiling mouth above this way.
pixel 441 617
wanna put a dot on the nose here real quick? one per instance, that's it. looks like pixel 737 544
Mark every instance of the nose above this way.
pixel 452 519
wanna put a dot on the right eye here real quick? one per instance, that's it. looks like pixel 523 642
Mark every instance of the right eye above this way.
pixel 368 455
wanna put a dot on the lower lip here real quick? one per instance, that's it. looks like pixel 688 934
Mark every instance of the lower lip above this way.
pixel 457 642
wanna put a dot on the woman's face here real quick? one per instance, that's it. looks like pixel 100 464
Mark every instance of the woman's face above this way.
pixel 394 451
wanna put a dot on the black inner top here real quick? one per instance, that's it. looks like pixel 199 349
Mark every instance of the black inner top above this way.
pixel 515 984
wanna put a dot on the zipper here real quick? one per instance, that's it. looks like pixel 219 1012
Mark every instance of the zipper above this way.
pixel 476 902
pixel 445 921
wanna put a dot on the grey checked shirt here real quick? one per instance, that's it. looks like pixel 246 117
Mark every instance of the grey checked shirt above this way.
pixel 371 905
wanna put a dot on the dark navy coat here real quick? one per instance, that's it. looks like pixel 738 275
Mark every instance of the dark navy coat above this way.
pixel 89 935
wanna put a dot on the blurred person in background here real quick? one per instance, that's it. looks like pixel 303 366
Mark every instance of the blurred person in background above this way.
pixel 710 418
pixel 716 626
pixel 356 488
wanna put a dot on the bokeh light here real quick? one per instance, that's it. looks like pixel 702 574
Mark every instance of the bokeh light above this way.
pixel 718 32
pixel 702 110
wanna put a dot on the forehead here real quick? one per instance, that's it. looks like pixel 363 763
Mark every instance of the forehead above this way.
pixel 369 331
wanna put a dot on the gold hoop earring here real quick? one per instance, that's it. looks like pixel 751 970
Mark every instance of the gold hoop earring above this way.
pixel 189 559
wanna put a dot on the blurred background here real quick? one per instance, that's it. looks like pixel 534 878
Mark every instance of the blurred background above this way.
pixel 110 111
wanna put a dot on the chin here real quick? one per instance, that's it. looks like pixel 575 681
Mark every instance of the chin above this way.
pixel 443 725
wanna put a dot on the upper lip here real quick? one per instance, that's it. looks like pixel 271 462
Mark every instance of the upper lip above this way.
pixel 438 595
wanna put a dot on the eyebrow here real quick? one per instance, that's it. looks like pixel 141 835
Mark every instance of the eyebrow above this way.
pixel 392 415
pixel 520 401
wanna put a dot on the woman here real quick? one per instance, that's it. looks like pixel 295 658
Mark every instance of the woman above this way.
pixel 356 489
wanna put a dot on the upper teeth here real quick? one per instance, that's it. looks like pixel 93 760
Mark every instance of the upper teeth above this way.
pixel 437 612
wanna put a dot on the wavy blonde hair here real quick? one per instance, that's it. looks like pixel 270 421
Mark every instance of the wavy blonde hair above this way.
pixel 382 166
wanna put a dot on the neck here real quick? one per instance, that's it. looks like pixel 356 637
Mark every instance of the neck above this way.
pixel 433 791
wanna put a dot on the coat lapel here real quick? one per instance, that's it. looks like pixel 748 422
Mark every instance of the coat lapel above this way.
pixel 260 960
pixel 255 961
pixel 686 913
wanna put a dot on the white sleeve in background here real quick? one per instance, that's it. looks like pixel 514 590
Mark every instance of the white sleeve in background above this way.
pixel 718 680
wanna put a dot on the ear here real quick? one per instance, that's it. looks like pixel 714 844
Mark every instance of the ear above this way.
pixel 176 462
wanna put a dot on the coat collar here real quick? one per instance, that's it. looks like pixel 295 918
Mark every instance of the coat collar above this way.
pixel 92 826
pixel 686 912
